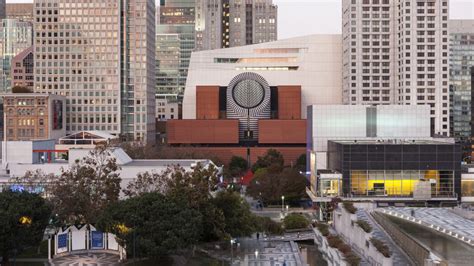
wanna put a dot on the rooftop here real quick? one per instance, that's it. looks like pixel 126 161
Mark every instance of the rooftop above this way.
pixel 395 141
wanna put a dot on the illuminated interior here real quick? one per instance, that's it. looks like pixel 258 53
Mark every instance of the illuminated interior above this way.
pixel 467 188
pixel 330 187
pixel 400 183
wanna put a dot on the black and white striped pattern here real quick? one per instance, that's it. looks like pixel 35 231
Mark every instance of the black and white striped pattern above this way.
pixel 248 99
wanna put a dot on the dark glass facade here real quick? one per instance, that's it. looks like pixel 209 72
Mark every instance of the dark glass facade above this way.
pixel 394 169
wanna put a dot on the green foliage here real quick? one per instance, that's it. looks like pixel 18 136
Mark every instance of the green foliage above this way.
pixel 334 241
pixel 157 224
pixel 295 221
pixel 352 259
pixel 239 221
pixel 15 236
pixel 267 225
pixel 323 228
pixel 237 166
pixel 301 163
pixel 349 207
pixel 364 225
pixel 82 192
pixel 381 247
pixel 271 183
pixel 271 158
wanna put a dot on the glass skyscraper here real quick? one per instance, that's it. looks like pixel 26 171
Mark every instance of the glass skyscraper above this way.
pixel 461 60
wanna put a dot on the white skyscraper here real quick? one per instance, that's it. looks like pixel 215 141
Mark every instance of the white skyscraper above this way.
pixel 101 56
pixel 396 52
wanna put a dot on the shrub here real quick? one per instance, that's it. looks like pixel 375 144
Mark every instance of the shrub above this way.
pixel 349 206
pixel 334 241
pixel 323 228
pixel 352 259
pixel 364 225
pixel 381 247
pixel 345 249
pixel 267 225
pixel 295 221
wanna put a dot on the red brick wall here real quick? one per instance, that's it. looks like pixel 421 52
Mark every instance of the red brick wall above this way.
pixel 207 102
pixel 282 131
pixel 289 102
pixel 202 131
pixel 290 154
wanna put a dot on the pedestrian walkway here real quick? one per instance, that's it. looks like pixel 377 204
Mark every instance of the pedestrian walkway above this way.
pixel 399 257
pixel 275 254
pixel 443 220
pixel 93 259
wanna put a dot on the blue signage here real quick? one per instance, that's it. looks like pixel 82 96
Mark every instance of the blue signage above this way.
pixel 97 240
pixel 62 241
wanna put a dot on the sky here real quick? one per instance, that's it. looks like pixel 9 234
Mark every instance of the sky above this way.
pixel 303 17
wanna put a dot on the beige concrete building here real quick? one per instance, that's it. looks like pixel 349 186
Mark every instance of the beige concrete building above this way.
pixel 396 52
pixel 20 11
pixel 22 69
pixel 32 116
pixel 100 55
pixel 230 23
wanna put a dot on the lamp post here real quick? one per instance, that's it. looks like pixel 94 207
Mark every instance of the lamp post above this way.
pixel 256 255
pixel 282 203
pixel 232 242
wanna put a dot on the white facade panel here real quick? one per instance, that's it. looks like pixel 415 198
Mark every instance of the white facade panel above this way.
pixel 312 62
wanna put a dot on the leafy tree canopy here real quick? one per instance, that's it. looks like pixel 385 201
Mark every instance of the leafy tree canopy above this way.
pixel 237 166
pixel 295 221
pixel 157 224
pixel 271 158
pixel 23 219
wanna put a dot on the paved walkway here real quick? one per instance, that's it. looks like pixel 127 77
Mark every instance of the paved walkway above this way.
pixel 443 220
pixel 275 254
pixel 93 259
pixel 399 257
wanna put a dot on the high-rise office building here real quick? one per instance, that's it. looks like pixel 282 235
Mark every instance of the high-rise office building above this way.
pixel 101 56
pixel 15 37
pixel 396 52
pixel 20 11
pixel 175 40
pixel 3 6
pixel 461 59
pixel 230 23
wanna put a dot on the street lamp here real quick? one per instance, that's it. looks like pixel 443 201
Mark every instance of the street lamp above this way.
pixel 232 242
pixel 256 254
pixel 287 206
pixel 282 203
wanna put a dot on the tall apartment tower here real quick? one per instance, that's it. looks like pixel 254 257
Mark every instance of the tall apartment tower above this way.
pixel 461 59
pixel 23 11
pixel 175 41
pixel 101 56
pixel 230 23
pixel 396 52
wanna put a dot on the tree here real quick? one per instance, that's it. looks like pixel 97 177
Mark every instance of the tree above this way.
pixel 83 191
pixel 239 220
pixel 237 166
pixel 23 219
pixel 295 221
pixel 271 158
pixel 270 184
pixel 155 224
pixel 194 187
pixel 301 163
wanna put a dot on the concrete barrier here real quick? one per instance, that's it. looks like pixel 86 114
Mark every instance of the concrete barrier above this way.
pixel 417 251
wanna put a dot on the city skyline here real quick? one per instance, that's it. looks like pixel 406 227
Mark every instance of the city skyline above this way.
pixel 303 12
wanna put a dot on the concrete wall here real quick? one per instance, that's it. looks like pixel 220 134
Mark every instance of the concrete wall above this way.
pixel 345 225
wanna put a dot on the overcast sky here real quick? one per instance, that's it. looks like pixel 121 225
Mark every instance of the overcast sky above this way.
pixel 302 17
